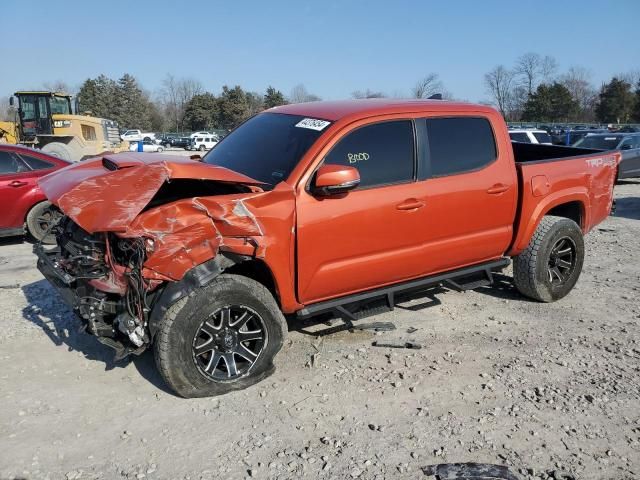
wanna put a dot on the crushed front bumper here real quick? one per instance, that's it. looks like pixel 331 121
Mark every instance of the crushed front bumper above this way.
pixel 49 267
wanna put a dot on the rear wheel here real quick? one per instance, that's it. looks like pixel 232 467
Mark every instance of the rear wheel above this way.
pixel 222 337
pixel 550 266
pixel 202 148
pixel 40 220
pixel 160 149
pixel 61 150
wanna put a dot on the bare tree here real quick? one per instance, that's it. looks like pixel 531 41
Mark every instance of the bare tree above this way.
pixel 578 82
pixel 7 113
pixel 499 84
pixel 632 77
pixel 548 68
pixel 427 86
pixel 59 86
pixel 532 69
pixel 299 94
pixel 175 94
pixel 359 94
pixel 528 66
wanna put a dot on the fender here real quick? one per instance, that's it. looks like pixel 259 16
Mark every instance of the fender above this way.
pixel 195 278
pixel 529 222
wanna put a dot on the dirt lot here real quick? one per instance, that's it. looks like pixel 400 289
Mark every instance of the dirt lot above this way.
pixel 552 390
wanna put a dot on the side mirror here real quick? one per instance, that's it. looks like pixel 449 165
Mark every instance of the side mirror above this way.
pixel 335 179
pixel 626 146
pixel 11 101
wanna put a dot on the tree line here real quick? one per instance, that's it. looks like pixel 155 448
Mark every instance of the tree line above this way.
pixel 182 103
pixel 532 90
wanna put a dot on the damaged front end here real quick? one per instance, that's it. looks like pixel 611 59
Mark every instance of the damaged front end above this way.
pixel 100 276
pixel 137 235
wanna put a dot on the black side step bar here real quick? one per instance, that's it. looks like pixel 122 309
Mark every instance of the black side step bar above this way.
pixel 337 305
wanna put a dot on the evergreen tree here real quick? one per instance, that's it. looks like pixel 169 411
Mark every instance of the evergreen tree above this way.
pixel 273 98
pixel 255 103
pixel 201 112
pixel 233 107
pixel 616 102
pixel 98 96
pixel 550 103
pixel 133 106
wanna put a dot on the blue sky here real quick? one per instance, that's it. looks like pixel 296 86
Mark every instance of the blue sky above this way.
pixel 332 47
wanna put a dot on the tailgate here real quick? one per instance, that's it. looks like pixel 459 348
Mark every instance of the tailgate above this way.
pixel 584 181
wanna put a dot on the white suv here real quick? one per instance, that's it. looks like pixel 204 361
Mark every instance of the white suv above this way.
pixel 202 143
pixel 530 136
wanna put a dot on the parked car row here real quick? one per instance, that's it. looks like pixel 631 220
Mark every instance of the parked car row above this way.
pixel 595 139
pixel 196 141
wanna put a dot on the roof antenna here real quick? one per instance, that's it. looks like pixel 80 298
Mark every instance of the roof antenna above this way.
pixel 435 96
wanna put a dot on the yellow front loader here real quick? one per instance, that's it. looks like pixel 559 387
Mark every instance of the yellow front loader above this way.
pixel 45 120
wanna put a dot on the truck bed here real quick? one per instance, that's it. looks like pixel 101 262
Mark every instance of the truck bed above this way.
pixel 531 152
pixel 566 181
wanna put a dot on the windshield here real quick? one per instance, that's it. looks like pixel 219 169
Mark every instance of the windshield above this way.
pixel 59 105
pixel 600 142
pixel 266 147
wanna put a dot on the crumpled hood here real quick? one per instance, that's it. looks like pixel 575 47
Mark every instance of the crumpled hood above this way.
pixel 108 193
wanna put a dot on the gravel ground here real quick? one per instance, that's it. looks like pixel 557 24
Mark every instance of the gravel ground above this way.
pixel 552 390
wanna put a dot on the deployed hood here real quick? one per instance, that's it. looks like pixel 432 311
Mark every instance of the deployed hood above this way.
pixel 107 194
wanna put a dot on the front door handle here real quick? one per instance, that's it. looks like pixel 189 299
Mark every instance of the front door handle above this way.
pixel 17 183
pixel 498 188
pixel 410 204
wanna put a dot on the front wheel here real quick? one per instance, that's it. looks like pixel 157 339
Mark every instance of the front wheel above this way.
pixel 40 221
pixel 202 148
pixel 550 266
pixel 220 338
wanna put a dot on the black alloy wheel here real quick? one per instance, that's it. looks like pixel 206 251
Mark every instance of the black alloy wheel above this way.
pixel 562 261
pixel 228 343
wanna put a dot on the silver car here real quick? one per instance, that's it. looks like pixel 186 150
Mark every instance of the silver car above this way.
pixel 627 143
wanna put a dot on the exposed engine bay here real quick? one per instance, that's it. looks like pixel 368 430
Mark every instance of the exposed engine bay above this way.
pixel 105 272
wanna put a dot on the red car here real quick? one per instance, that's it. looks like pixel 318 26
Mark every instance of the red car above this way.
pixel 23 203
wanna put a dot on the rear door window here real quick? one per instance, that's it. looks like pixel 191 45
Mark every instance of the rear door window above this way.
pixel 383 153
pixel 459 144
pixel 10 164
pixel 542 137
pixel 35 163
pixel 520 137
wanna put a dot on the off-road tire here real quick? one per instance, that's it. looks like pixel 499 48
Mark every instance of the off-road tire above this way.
pixel 174 341
pixel 35 227
pixel 530 268
pixel 62 150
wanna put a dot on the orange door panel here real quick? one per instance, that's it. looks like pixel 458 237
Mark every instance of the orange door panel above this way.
pixel 468 218
pixel 364 239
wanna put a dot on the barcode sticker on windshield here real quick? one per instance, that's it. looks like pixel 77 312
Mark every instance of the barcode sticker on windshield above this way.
pixel 313 124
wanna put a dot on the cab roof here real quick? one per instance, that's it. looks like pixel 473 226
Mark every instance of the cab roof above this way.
pixel 42 92
pixel 336 110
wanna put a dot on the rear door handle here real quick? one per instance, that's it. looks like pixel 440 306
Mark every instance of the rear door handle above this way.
pixel 17 183
pixel 410 204
pixel 498 188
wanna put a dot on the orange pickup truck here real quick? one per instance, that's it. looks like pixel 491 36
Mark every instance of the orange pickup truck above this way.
pixel 307 209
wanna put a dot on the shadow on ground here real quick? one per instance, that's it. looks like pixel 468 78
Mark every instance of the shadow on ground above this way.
pixel 46 309
pixel 628 207
pixel 13 240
